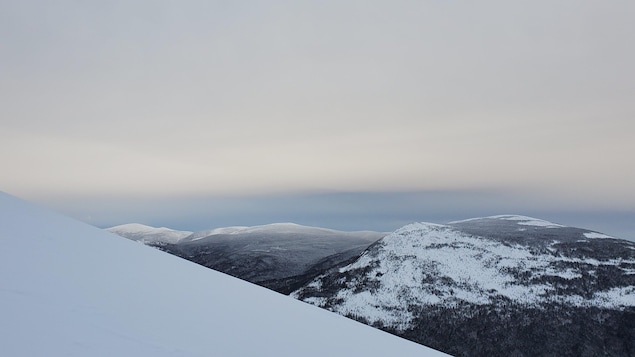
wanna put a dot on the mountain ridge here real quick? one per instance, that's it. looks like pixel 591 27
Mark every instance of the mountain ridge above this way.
pixel 488 286
pixel 280 256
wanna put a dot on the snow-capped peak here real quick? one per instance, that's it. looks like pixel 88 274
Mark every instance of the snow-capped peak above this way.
pixel 520 220
pixel 528 221
pixel 272 228
pixel 148 234
pixel 425 264
pixel 215 231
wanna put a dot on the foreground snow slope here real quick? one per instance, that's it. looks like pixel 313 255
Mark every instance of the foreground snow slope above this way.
pixel 70 289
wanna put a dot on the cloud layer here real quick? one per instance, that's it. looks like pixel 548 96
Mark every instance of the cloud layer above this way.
pixel 161 98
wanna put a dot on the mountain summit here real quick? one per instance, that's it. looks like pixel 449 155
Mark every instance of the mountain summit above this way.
pixel 500 285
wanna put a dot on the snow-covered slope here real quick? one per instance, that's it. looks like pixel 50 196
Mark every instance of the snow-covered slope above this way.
pixel 148 234
pixel 69 289
pixel 215 231
pixel 446 275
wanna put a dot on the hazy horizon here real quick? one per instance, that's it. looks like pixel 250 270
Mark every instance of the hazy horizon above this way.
pixel 348 211
pixel 346 114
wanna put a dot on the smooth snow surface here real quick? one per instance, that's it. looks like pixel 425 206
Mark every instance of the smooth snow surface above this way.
pixel 595 235
pixel 69 289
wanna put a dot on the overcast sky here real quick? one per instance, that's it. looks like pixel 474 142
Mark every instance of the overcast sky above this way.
pixel 526 106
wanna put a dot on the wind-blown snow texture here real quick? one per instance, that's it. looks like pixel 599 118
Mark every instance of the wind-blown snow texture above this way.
pixel 468 279
pixel 69 289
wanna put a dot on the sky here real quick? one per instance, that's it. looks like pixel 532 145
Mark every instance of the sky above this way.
pixel 344 114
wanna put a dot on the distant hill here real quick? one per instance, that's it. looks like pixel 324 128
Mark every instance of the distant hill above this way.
pixel 148 234
pixel 280 256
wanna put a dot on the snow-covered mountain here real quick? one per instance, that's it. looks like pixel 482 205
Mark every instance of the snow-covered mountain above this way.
pixel 280 256
pixel 500 285
pixel 69 289
pixel 148 234
pixel 274 228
